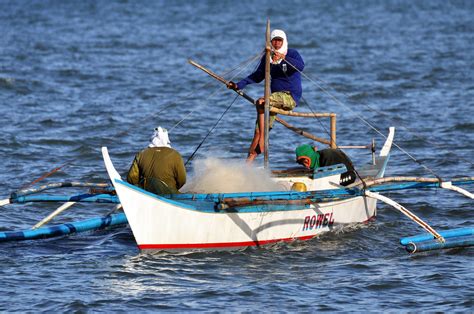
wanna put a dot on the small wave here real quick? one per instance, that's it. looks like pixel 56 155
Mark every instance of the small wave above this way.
pixel 7 82
pixel 463 127
pixel 339 69
pixel 50 123
pixel 310 44
pixel 128 45
pixel 394 76
pixel 78 74
pixel 15 85
pixel 42 46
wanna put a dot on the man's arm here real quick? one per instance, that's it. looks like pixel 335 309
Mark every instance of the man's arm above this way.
pixel 255 77
pixel 295 61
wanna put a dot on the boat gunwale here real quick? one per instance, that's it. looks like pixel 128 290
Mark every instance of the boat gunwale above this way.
pixel 312 197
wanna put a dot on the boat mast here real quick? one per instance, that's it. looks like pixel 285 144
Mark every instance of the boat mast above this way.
pixel 267 94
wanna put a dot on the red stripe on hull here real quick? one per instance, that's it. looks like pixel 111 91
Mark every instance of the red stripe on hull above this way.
pixel 225 244
pixel 216 245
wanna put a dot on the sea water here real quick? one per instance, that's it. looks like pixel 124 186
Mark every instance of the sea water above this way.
pixel 78 75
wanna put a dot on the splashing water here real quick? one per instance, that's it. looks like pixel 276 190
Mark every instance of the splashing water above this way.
pixel 213 175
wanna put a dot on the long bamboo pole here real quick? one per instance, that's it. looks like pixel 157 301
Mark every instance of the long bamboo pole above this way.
pixel 333 132
pixel 302 133
pixel 267 95
pixel 410 179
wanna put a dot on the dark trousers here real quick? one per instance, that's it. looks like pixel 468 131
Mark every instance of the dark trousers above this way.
pixel 330 156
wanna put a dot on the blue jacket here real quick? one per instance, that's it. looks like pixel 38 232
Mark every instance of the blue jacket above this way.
pixel 284 76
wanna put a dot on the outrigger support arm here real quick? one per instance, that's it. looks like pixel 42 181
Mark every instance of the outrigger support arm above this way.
pixel 406 212
pixel 449 186
pixel 48 218
pixel 452 185
pixel 5 202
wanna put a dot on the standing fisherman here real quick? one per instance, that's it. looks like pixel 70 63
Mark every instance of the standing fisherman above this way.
pixel 158 168
pixel 285 68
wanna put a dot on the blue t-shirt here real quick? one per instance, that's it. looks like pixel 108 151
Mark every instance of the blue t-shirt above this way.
pixel 285 76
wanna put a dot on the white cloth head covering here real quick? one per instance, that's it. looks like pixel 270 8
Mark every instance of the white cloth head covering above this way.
pixel 160 138
pixel 284 46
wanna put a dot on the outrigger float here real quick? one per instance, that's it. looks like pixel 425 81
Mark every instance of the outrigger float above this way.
pixel 192 221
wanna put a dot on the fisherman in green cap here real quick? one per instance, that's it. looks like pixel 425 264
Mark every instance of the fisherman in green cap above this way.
pixel 312 158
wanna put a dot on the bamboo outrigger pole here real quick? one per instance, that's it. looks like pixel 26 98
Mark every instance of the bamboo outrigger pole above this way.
pixel 48 218
pixel 407 213
pixel 267 94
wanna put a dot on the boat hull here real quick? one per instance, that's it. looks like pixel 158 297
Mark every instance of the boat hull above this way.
pixel 162 224
pixel 217 221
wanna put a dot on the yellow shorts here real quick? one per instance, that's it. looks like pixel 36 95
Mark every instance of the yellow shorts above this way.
pixel 280 100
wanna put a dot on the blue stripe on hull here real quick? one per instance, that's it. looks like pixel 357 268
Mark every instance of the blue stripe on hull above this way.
pixel 209 203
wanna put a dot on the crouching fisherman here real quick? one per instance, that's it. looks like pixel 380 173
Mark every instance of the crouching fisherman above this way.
pixel 158 168
pixel 312 158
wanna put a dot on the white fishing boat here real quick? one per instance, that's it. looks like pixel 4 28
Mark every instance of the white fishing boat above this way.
pixel 229 220
pixel 202 221
pixel 253 218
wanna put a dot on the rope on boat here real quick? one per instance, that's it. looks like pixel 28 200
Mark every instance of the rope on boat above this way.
pixel 331 142
pixel 180 100
pixel 246 64
pixel 337 101
pixel 210 131
pixel 413 133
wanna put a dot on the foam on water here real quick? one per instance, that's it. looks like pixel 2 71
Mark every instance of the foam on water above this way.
pixel 214 175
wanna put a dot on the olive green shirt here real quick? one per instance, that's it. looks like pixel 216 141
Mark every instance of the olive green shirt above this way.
pixel 159 170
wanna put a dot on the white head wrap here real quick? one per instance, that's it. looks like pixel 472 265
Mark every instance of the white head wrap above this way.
pixel 160 138
pixel 284 46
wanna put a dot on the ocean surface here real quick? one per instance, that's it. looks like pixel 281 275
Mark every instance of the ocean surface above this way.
pixel 78 75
